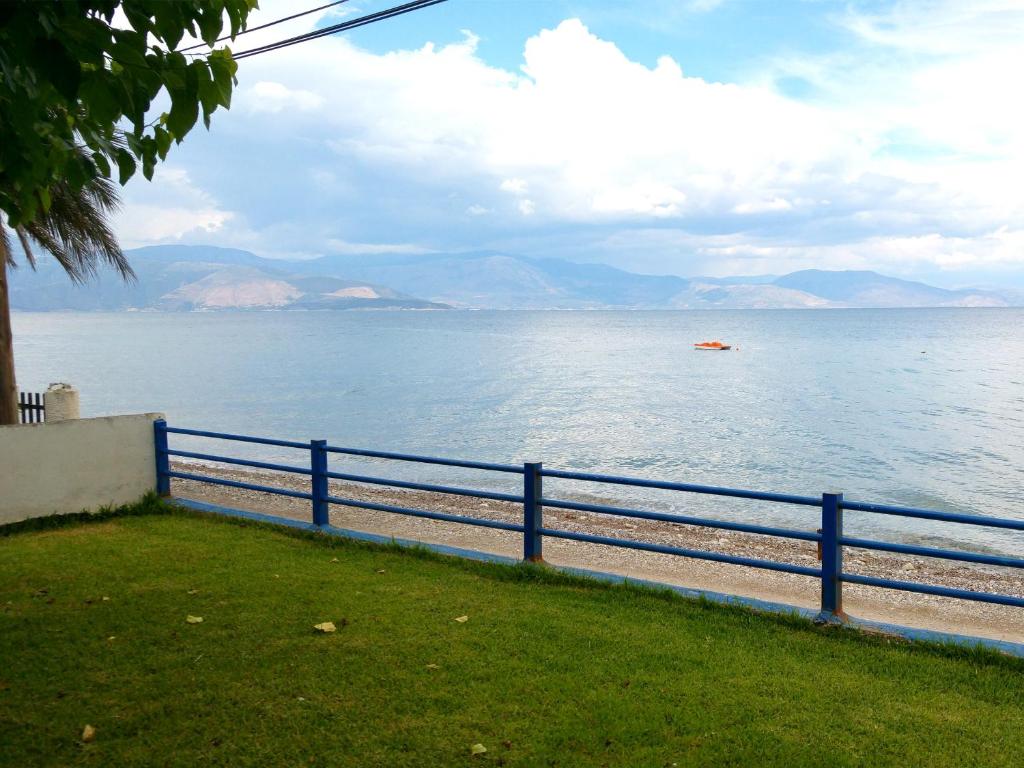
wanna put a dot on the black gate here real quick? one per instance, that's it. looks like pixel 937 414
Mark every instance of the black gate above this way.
pixel 31 408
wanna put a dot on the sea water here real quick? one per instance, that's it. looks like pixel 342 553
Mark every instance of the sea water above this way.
pixel 921 407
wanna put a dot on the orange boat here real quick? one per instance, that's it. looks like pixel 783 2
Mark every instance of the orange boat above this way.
pixel 715 346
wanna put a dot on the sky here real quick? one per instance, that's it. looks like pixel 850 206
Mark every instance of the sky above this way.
pixel 688 137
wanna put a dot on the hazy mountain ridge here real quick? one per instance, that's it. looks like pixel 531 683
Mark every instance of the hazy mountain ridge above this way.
pixel 181 278
pixel 201 278
pixel 870 289
pixel 494 280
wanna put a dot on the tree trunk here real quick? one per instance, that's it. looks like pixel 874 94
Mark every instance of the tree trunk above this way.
pixel 8 386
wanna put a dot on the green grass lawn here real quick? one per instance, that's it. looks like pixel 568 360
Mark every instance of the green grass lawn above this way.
pixel 547 670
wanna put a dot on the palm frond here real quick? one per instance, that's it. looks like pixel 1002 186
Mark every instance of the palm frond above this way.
pixel 6 258
pixel 76 231
pixel 27 247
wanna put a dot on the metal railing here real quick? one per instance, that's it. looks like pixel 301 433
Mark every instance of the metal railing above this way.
pixel 829 537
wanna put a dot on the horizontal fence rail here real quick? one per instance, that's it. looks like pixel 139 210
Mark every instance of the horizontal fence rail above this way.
pixel 664 517
pixel 510 468
pixel 828 536
pixel 640 482
pixel 470 492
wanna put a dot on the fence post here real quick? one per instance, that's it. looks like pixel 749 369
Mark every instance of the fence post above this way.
pixel 533 512
pixel 831 559
pixel 163 463
pixel 318 463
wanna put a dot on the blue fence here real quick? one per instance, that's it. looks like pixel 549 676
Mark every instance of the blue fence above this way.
pixel 829 537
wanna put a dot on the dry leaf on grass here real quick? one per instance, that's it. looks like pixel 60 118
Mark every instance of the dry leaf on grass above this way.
pixel 88 734
pixel 193 591
pixel 462 619
pixel 433 666
pixel 335 560
pixel 194 619
pixel 477 749
pixel 327 626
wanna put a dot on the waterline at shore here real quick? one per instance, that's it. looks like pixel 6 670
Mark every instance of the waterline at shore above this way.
pixel 838 400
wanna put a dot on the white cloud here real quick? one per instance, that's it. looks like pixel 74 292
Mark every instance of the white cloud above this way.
pixel 939 26
pixel 587 132
pixel 911 147
pixel 344 247
pixel 266 96
pixel 169 208
pixel 336 12
pixel 652 198
pixel 894 255
pixel 515 186
pixel 763 206
pixel 703 6
pixel 930 84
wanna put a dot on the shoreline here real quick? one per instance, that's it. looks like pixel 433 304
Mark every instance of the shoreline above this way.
pixel 883 605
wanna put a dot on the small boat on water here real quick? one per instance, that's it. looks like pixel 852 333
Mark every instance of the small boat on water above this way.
pixel 713 346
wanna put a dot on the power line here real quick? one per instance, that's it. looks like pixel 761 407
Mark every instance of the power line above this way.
pixel 264 26
pixel 345 25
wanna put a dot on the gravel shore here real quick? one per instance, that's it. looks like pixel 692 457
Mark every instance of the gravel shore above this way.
pixel 923 611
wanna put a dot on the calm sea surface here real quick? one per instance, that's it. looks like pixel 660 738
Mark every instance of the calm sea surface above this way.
pixel 917 407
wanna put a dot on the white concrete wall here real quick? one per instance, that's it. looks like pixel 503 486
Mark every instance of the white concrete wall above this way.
pixel 77 465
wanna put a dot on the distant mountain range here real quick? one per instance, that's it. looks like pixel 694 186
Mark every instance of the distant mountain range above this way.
pixel 204 278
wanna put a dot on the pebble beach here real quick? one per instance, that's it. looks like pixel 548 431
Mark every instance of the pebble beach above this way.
pixel 883 605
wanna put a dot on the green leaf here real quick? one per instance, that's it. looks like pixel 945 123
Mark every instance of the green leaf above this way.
pixel 102 164
pixel 223 69
pixel 57 66
pixel 79 171
pixel 70 80
pixel 175 81
pixel 134 141
pixel 148 166
pixel 102 100
pixel 139 17
pixel 168 23
pixel 87 40
pixel 210 24
pixel 209 94
pixel 129 49
pixel 163 141
pixel 183 115
pixel 238 12
pixel 125 166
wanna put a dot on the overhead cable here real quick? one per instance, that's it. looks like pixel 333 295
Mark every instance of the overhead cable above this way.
pixel 264 26
pixel 335 28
